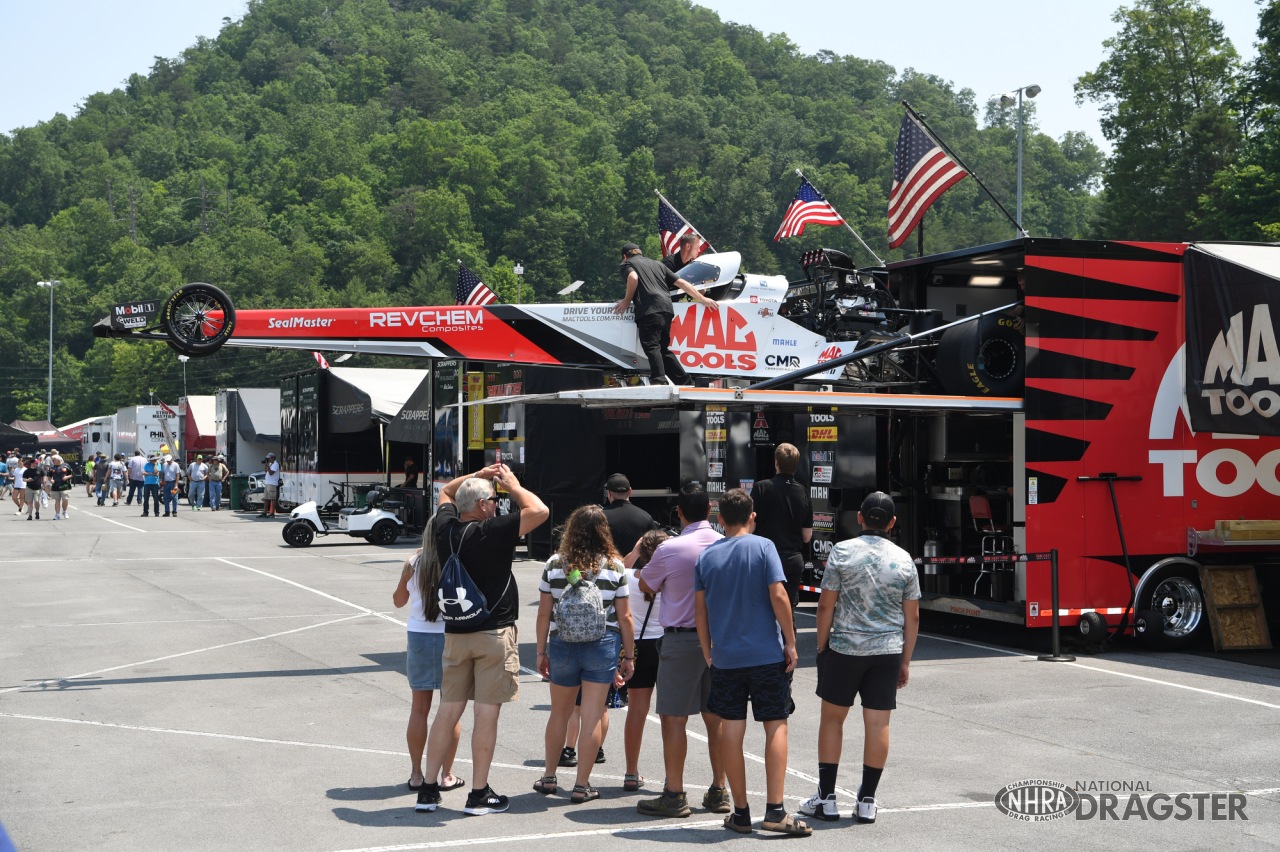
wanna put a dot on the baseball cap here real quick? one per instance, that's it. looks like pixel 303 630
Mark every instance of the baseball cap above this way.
pixel 629 247
pixel 877 509
pixel 199 458
pixel 618 483
pixel 271 455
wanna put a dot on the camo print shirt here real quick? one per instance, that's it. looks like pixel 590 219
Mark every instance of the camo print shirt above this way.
pixel 873 576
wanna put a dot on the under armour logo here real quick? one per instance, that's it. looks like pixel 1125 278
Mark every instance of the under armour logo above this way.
pixel 460 601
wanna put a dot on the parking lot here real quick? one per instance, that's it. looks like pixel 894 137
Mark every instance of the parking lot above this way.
pixel 192 683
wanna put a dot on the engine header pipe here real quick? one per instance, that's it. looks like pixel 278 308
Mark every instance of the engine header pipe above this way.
pixel 859 354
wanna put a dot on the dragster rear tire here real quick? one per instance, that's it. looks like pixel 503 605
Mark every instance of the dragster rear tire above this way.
pixel 986 357
pixel 198 318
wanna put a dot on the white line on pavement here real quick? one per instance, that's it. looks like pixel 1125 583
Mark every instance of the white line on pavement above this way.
pixel 117 523
pixel 43 683
pixel 326 595
pixel 228 620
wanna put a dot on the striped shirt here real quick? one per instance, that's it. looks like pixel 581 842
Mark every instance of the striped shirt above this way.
pixel 611 580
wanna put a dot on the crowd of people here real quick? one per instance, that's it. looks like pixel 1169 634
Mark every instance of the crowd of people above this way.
pixel 44 481
pixel 703 618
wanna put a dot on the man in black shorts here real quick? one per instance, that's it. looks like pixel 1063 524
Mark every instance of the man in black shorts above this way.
pixel 749 642
pixel 785 516
pixel 868 619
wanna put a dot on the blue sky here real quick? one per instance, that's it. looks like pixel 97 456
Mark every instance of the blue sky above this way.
pixel 54 53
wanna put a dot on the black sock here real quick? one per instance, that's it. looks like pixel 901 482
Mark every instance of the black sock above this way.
pixel 870 779
pixel 673 794
pixel 742 816
pixel 827 779
pixel 773 812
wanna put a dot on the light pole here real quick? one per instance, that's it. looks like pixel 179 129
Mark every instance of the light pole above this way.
pixel 1007 100
pixel 50 285
pixel 519 271
pixel 184 359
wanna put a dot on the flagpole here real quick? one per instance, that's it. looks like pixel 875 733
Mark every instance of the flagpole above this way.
pixel 879 260
pixel 686 221
pixel 927 129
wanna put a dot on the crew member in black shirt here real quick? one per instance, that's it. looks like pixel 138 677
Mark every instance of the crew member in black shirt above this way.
pixel 33 477
pixel 784 516
pixel 627 521
pixel 648 283
pixel 482 664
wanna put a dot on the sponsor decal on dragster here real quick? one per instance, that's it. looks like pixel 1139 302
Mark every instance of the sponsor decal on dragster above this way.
pixel 469 332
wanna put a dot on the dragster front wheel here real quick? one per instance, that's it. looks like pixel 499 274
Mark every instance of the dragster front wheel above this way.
pixel 198 318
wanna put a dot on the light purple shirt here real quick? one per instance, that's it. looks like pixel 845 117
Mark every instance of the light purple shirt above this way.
pixel 670 572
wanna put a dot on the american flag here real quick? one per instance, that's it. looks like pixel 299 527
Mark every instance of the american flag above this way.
pixel 671 227
pixel 922 171
pixel 324 365
pixel 808 207
pixel 471 290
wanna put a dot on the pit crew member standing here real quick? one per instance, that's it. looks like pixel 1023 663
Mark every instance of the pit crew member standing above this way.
pixel 647 282
pixel 868 619
pixel 785 516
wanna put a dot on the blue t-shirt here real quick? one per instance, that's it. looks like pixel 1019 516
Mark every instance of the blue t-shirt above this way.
pixel 737 575
pixel 4 472
pixel 149 474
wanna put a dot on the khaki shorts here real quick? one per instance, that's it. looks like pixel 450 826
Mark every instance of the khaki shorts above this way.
pixel 483 667
pixel 270 492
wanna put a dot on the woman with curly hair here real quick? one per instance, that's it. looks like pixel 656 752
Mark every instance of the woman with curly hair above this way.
pixel 586 555
pixel 423 662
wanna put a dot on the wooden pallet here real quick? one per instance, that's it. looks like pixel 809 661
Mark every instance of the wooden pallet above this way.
pixel 1248 530
pixel 1235 607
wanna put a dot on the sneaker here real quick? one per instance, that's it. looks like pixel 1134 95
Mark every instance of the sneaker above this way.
pixel 37 514
pixel 667 805
pixel 815 806
pixel 717 800
pixel 481 802
pixel 568 757
pixel 866 812
pixel 428 798
pixel 600 755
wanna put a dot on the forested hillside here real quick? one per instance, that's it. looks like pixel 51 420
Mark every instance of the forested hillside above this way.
pixel 349 152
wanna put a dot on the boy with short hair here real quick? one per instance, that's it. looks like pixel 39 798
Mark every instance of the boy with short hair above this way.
pixel 749 641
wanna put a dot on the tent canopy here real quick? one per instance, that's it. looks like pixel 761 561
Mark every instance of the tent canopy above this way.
pixel 414 423
pixel 360 397
pixel 259 419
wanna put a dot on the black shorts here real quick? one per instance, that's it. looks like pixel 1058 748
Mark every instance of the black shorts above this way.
pixel 768 688
pixel 875 677
pixel 646 673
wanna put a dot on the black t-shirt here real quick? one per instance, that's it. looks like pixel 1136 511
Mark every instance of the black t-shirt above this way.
pixel 60 478
pixel 33 477
pixel 782 510
pixel 653 283
pixel 673 262
pixel 486 552
pixel 627 523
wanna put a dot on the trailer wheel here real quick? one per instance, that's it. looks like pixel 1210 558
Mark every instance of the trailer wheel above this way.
pixel 298 533
pixel 986 357
pixel 1174 606
pixel 198 319
pixel 1093 628
pixel 384 532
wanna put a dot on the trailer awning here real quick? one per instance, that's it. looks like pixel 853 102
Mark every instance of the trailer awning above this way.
pixel 201 430
pixel 359 397
pixel 413 423
pixel 259 419
pixel 656 396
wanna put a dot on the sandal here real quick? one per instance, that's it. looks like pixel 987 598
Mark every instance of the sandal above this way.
pixel 457 782
pixel 787 825
pixel 584 793
pixel 415 787
pixel 546 785
pixel 632 783
pixel 733 826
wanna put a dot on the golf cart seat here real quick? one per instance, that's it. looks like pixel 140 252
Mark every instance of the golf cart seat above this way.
pixel 348 510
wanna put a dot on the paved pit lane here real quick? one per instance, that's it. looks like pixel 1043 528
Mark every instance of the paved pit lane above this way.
pixel 191 683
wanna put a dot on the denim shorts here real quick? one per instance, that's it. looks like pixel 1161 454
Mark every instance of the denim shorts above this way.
pixel 575 663
pixel 422 663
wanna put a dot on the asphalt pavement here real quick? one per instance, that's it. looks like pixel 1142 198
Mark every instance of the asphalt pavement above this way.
pixel 192 683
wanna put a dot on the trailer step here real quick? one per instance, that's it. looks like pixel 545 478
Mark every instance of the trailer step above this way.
pixel 1235 607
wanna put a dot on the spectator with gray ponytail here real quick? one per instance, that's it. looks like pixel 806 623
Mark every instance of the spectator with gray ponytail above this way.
pixel 417 587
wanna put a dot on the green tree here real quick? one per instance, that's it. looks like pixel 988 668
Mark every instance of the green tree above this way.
pixel 1164 91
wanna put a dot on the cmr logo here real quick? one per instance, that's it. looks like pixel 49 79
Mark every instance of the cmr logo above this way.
pixel 1235 360
pixel 822 433
pixel 714 340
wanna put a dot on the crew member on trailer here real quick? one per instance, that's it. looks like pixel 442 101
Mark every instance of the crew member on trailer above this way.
pixel 687 252
pixel 647 282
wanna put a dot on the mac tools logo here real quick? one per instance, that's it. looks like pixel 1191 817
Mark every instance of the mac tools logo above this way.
pixel 714 340
pixel 1239 359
